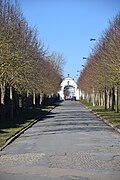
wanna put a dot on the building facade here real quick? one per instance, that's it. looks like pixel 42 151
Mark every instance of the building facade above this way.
pixel 69 89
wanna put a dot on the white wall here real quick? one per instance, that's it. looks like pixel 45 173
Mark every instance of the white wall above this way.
pixel 69 81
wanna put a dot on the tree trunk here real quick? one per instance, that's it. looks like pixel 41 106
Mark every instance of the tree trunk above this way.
pixel 100 99
pixel 113 99
pixel 105 91
pixel 20 102
pixel 27 100
pixel 108 98
pixel 11 103
pixel 2 113
pixel 3 93
pixel 93 98
pixel 34 102
pixel 116 98
pixel 16 96
pixel 87 96
pixel 41 96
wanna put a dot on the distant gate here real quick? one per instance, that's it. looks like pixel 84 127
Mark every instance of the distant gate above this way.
pixel 68 84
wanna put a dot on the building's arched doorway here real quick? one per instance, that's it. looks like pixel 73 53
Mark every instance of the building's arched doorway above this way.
pixel 69 92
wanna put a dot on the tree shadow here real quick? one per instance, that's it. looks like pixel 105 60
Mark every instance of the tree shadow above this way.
pixel 26 115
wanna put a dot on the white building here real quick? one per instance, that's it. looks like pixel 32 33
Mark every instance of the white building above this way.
pixel 69 83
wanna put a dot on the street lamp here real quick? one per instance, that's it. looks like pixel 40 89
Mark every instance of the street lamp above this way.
pixel 84 58
pixel 92 39
pixel 105 89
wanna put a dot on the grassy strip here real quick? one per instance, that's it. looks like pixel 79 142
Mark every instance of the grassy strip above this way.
pixel 10 128
pixel 110 116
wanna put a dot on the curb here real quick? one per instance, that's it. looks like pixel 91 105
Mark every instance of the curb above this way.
pixel 17 134
pixel 104 120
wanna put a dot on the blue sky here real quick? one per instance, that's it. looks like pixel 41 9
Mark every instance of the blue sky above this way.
pixel 66 26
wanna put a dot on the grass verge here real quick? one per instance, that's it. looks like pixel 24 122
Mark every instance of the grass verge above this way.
pixel 26 117
pixel 111 116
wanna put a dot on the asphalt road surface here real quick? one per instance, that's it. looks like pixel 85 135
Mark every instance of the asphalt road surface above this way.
pixel 70 143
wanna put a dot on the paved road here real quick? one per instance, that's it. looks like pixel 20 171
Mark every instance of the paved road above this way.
pixel 69 144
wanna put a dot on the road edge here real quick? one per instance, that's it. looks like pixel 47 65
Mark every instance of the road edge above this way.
pixel 103 119
pixel 17 134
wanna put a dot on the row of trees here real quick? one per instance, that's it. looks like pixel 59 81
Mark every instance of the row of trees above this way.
pixel 100 79
pixel 27 70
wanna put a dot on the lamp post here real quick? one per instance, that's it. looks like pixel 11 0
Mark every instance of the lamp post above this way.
pixel 93 90
pixel 104 69
pixel 105 90
pixel 84 58
pixel 92 39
